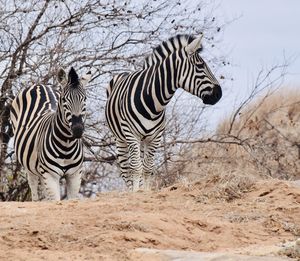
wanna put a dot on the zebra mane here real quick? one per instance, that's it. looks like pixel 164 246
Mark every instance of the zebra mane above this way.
pixel 166 48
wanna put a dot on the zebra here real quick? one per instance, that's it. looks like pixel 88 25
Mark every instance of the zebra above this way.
pixel 135 107
pixel 47 127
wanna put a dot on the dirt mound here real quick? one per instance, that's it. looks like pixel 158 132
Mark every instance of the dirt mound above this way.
pixel 181 217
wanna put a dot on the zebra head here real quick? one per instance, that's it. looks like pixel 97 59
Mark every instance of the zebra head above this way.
pixel 196 77
pixel 73 100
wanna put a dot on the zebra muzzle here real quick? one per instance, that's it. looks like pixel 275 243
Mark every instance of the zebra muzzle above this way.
pixel 212 95
pixel 77 127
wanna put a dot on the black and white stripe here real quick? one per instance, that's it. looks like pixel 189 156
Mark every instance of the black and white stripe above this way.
pixel 47 128
pixel 135 109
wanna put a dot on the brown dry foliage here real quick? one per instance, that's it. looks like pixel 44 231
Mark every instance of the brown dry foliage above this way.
pixel 218 187
pixel 269 135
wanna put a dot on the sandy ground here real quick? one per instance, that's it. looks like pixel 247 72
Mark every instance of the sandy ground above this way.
pixel 179 218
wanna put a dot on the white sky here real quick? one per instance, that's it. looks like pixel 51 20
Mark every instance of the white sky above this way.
pixel 265 32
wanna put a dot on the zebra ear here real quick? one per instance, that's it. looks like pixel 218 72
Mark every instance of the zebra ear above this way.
pixel 194 45
pixel 86 78
pixel 73 77
pixel 62 77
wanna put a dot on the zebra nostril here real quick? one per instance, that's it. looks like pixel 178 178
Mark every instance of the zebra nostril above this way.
pixel 205 92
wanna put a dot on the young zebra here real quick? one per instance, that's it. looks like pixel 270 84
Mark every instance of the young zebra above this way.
pixel 47 128
pixel 135 109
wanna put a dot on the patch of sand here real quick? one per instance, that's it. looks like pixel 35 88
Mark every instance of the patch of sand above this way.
pixel 114 224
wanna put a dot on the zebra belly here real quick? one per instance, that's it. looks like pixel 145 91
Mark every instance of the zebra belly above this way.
pixel 143 129
pixel 146 130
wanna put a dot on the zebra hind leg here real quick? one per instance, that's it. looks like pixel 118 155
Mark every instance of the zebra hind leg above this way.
pixel 122 151
pixel 135 164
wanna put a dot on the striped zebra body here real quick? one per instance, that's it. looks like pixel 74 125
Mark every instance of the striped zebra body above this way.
pixel 46 136
pixel 135 109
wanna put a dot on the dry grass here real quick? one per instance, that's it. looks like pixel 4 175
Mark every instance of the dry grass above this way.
pixel 220 187
pixel 270 128
pixel 226 186
pixel 282 110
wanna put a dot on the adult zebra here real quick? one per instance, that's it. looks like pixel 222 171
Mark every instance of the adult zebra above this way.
pixel 47 129
pixel 135 109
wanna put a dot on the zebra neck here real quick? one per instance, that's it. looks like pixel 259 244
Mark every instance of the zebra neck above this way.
pixel 163 85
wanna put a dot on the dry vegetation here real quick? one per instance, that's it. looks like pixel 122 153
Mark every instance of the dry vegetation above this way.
pixel 263 142
pixel 270 128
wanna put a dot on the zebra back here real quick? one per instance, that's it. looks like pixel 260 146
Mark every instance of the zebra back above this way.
pixel 113 82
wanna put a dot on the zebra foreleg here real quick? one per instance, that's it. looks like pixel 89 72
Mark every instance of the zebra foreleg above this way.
pixel 122 152
pixel 51 186
pixel 33 181
pixel 73 184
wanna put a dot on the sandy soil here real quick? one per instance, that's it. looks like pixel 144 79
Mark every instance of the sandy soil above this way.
pixel 113 225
